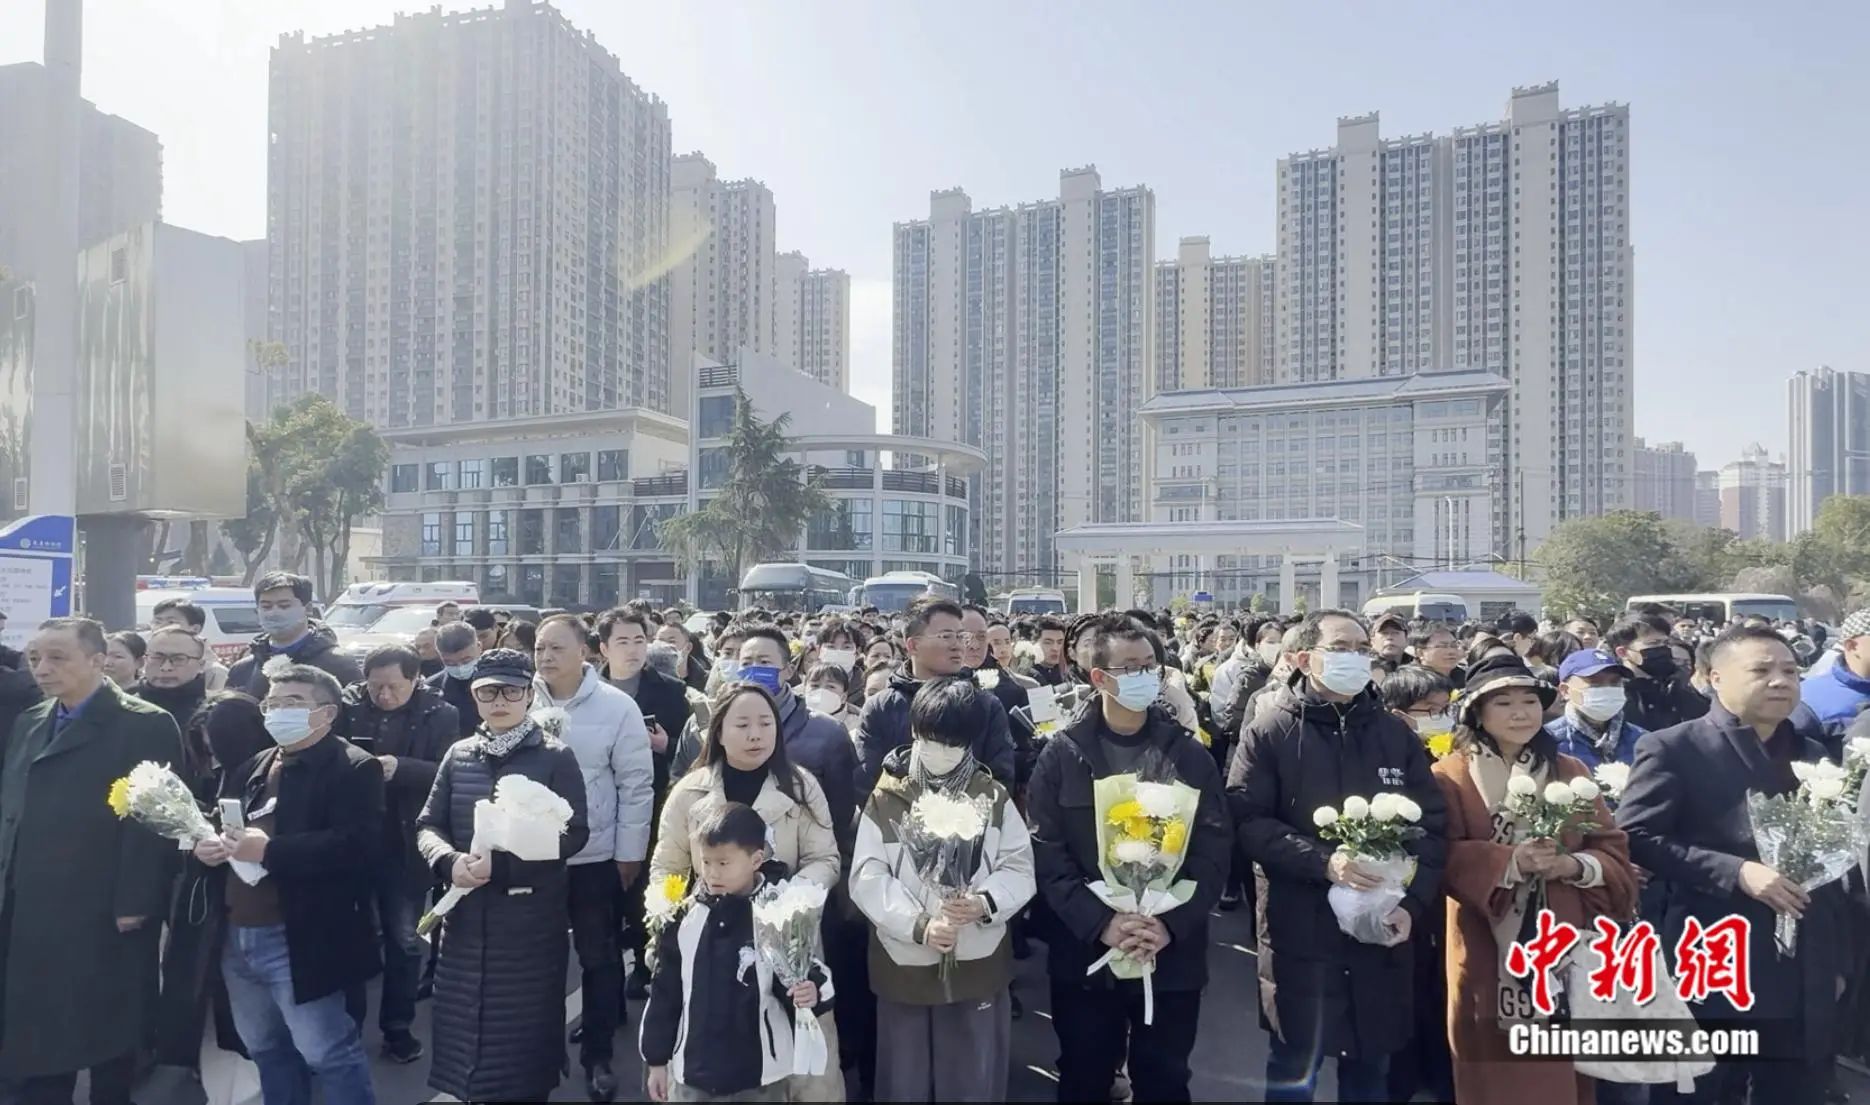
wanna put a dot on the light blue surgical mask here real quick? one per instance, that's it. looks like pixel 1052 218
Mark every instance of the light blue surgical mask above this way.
pixel 280 622
pixel 1136 690
pixel 463 672
pixel 764 676
pixel 288 725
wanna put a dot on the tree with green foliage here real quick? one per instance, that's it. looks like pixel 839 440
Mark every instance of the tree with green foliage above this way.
pixel 761 506
pixel 1592 565
pixel 312 472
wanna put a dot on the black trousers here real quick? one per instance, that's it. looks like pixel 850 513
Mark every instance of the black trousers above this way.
pixel 110 1085
pixel 1097 1027
pixel 594 899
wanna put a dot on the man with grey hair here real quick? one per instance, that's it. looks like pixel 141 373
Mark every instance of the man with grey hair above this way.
pixel 82 891
pixel 459 647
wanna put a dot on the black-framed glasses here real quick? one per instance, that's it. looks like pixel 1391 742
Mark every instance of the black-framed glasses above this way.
pixel 172 659
pixel 501 692
pixel 1134 669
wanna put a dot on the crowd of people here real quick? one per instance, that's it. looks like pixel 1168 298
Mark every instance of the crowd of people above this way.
pixel 779 748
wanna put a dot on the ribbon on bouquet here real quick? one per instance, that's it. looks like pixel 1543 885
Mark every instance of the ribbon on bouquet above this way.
pixel 811 1052
pixel 1155 902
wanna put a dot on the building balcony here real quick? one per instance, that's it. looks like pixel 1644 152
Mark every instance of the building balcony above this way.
pixel 847 479
pixel 720 376
pixel 928 483
pixel 675 483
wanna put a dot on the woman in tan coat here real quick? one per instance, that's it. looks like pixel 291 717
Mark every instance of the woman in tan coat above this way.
pixel 1495 877
pixel 744 760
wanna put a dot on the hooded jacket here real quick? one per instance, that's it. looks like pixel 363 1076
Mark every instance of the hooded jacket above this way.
pixel 887 888
pixel 1063 810
pixel 318 649
pixel 884 727
pixel 1318 987
pixel 604 728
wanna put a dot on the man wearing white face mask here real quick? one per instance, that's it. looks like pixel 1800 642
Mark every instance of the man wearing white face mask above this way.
pixel 1323 992
pixel 1593 727
pixel 301 936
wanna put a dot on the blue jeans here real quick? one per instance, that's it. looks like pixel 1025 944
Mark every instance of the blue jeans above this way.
pixel 1292 1074
pixel 398 905
pixel 290 1042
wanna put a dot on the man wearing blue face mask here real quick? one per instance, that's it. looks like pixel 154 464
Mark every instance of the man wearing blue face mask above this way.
pixel 459 647
pixel 288 631
pixel 1324 993
pixel 1124 730
pixel 301 936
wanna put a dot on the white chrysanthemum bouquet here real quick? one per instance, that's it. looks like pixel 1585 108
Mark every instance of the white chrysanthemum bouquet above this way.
pixel 1373 830
pixel 1612 777
pixel 525 819
pixel 942 835
pixel 161 802
pixel 786 932
pixel 1547 814
pixel 1812 836
pixel 1143 824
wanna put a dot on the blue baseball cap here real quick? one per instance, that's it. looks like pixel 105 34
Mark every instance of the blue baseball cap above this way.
pixel 1588 662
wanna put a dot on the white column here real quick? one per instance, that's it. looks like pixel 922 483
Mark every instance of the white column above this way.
pixel 1126 582
pixel 1087 585
pixel 1288 584
pixel 1328 581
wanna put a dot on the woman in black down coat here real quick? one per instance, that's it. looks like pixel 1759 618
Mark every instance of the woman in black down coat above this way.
pixel 499 1011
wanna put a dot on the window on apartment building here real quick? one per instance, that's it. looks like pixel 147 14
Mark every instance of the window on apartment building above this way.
pixel 532 533
pixel 574 467
pixel 472 473
pixel 505 471
pixel 497 541
pixel 613 464
pixel 431 533
pixel 440 477
pixel 538 470
pixel 405 478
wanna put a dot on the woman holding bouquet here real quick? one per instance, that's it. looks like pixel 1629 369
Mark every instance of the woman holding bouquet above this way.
pixel 744 760
pixel 500 981
pixel 1499 877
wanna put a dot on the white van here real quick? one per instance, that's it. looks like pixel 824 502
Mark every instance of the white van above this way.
pixel 362 605
pixel 1034 600
pixel 233 617
pixel 1411 605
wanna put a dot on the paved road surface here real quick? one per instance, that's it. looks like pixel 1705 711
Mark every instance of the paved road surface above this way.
pixel 1229 1059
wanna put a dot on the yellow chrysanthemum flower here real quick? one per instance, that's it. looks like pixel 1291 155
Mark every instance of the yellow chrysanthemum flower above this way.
pixel 1139 828
pixel 1203 736
pixel 1441 744
pixel 1124 812
pixel 1174 837
pixel 120 797
pixel 674 887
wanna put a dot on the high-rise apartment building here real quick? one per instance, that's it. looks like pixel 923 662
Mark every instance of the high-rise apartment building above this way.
pixel 1028 332
pixel 721 291
pixel 1504 247
pixel 1753 496
pixel 1215 320
pixel 1830 442
pixel 812 320
pixel 1665 479
pixel 468 218
pixel 1708 499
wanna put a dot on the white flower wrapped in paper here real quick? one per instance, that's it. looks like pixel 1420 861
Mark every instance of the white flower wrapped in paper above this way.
pixel 525 819
pixel 1806 836
pixel 1356 808
pixel 1143 828
pixel 786 931
pixel 1377 843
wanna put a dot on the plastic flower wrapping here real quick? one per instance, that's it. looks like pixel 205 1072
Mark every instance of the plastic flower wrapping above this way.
pixel 1143 822
pixel 525 819
pixel 1812 835
pixel 663 901
pixel 786 931
pixel 1856 766
pixel 161 802
pixel 1373 830
pixel 942 836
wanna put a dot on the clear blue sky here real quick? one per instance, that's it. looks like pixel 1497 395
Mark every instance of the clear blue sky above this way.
pixel 1752 173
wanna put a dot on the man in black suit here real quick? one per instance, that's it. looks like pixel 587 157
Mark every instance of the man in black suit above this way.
pixel 1685 810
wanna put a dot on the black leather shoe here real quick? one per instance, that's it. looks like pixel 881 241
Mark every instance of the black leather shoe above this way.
pixel 599 1083
pixel 401 1047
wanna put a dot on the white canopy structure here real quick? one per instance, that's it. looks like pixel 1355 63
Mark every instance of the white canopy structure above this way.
pixel 1122 543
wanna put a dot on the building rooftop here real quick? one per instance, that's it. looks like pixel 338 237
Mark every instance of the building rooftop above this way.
pixel 1326 392
pixel 1462 581
pixel 640 420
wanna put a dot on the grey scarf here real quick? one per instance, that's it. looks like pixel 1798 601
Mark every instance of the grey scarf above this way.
pixel 501 745
pixel 951 783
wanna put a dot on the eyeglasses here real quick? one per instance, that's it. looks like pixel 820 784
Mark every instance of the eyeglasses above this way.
pixel 1363 651
pixel 170 659
pixel 1134 669
pixel 501 692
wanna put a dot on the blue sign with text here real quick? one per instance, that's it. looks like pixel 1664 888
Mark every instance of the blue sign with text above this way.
pixel 35 573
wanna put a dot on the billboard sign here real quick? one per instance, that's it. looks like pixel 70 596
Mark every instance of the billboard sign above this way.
pixel 35 573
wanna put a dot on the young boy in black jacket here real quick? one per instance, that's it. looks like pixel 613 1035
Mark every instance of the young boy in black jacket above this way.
pixel 732 1019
